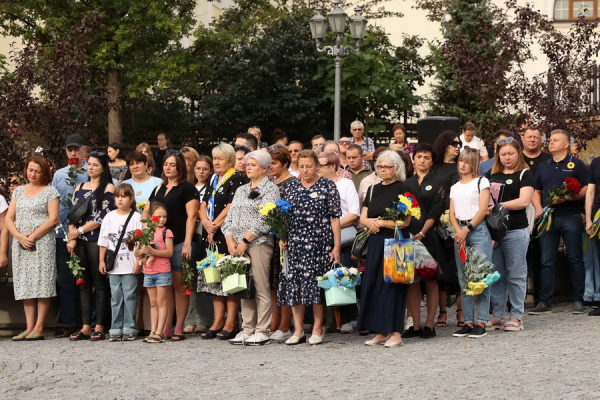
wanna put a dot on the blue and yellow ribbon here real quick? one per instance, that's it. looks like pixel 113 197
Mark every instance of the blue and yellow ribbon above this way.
pixel 544 221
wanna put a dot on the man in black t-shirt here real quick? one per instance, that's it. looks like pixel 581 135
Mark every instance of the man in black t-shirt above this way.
pixel 566 221
pixel 532 149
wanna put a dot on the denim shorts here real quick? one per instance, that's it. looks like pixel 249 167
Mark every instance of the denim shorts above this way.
pixel 176 258
pixel 156 280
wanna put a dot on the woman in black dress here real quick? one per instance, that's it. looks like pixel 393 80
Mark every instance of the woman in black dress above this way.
pixel 383 304
pixel 430 191
pixel 213 211
pixel 447 148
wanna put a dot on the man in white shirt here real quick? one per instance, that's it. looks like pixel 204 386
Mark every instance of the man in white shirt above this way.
pixel 469 139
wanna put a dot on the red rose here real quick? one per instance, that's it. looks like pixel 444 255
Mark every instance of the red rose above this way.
pixel 80 282
pixel 156 218
pixel 573 185
pixel 187 293
pixel 412 199
pixel 138 232
pixel 72 161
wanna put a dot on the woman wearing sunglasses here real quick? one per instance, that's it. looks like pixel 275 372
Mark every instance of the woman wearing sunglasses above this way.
pixel 83 239
pixel 512 186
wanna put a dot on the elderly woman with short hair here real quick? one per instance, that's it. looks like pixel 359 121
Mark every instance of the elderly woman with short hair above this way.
pixel 314 242
pixel 247 233
pixel 382 304
pixel 213 211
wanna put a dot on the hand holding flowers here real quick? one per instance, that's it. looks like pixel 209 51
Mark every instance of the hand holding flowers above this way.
pixel 567 191
pixel 145 237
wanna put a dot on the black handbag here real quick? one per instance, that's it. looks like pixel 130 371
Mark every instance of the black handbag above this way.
pixel 111 255
pixel 79 210
pixel 497 220
pixel 359 247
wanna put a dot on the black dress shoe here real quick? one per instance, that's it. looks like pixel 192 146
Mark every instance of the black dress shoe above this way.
pixel 427 332
pixel 411 333
pixel 595 312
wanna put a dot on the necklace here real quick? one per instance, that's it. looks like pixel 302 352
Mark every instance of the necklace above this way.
pixel 283 178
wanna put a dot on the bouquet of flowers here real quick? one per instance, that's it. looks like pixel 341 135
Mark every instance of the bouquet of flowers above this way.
pixel 188 278
pixel 479 274
pixel 209 265
pixel 340 285
pixel 567 191
pixel 445 221
pixel 208 262
pixel 425 265
pixel 233 273
pixel 276 215
pixel 141 205
pixel 144 237
pixel 405 206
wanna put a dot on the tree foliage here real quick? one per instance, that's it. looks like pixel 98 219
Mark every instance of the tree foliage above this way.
pixel 51 93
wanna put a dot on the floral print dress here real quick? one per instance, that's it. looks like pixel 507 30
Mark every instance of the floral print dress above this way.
pixel 310 240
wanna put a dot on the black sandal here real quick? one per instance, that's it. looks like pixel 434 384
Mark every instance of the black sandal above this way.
pixel 177 338
pixel 211 333
pixel 79 336
pixel 96 336
pixel 441 324
pixel 460 324
pixel 226 335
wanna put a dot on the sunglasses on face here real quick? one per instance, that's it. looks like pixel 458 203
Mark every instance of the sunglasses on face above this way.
pixel 456 143
pixel 13 183
pixel 357 129
pixel 501 142
pixel 344 142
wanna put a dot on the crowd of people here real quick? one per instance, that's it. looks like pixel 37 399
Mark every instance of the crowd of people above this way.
pixel 61 229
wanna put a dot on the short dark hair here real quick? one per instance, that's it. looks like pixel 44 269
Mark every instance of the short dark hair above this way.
pixel 503 132
pixel 399 126
pixel 46 177
pixel 408 165
pixel 378 152
pixel 281 154
pixel 136 156
pixel 425 148
pixel 279 134
pixel 296 142
pixel 355 147
pixel 317 137
pixel 249 138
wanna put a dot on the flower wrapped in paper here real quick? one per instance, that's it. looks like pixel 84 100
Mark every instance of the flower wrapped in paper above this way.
pixel 209 265
pixel 478 272
pixel 425 265
pixel 340 285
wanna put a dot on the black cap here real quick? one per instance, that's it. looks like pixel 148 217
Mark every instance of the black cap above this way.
pixel 74 140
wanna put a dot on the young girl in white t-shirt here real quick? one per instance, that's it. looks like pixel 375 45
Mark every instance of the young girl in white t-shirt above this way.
pixel 122 278
pixel 469 200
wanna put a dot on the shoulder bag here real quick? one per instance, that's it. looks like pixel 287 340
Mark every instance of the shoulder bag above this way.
pixel 111 255
pixel 79 209
pixel 497 219
pixel 359 247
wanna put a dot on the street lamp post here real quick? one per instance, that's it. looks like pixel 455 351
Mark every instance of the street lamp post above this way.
pixel 337 19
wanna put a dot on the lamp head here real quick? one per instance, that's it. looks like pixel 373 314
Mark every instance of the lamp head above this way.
pixel 358 25
pixel 318 25
pixel 337 18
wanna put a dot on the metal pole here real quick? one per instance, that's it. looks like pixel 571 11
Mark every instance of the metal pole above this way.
pixel 337 105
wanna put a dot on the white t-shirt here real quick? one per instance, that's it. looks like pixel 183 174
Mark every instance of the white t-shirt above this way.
pixel 295 173
pixel 110 231
pixel 466 198
pixel 476 143
pixel 348 197
pixel 3 204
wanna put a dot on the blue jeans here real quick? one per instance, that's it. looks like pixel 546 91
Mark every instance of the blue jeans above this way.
pixel 479 239
pixel 510 261
pixel 571 230
pixel 592 270
pixel 124 303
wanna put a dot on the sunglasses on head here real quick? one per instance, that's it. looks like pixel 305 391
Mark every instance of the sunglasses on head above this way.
pixel 97 154
pixel 171 152
pixel 471 149
pixel 185 150
pixel 242 148
pixel 501 142
pixel 275 148
pixel 456 143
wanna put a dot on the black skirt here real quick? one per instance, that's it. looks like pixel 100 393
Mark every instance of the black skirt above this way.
pixel 383 305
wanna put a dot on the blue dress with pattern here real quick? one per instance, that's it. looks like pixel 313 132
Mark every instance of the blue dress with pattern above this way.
pixel 310 240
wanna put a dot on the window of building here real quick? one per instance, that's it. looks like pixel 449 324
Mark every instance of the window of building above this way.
pixel 569 10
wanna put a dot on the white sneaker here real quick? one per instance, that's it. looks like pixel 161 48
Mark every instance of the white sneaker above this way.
pixel 240 338
pixel 409 322
pixel 258 339
pixel 348 327
pixel 280 336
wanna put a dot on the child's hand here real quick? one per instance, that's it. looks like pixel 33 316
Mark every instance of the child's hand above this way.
pixel 102 267
pixel 137 268
pixel 147 250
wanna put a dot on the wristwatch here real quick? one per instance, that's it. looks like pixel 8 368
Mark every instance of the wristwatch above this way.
pixel 80 230
pixel 246 241
pixel 470 227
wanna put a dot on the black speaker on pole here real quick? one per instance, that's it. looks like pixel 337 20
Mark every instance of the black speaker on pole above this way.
pixel 428 129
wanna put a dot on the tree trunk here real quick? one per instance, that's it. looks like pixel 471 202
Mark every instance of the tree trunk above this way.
pixel 115 129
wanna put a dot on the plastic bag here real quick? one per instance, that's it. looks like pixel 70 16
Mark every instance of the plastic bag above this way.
pixel 425 265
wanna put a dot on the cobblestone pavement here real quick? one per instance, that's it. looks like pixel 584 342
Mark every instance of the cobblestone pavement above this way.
pixel 555 357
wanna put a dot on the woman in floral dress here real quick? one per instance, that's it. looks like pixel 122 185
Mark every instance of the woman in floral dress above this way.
pixel 31 218
pixel 313 244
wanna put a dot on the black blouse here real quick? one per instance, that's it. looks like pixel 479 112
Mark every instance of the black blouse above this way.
pixel 382 198
pixel 175 201
pixel 431 195
pixel 224 196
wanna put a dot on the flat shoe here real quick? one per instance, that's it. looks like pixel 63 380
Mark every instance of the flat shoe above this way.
pixel 513 326
pixel 316 339
pixel 79 336
pixel 97 336
pixel 294 340
pixel 61 333
pixel 211 333
pixel 33 335
pixel 226 335
pixel 376 342
pixel 189 329
pixel 396 343
pixel 20 337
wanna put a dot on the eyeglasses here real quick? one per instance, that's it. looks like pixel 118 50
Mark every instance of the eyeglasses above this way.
pixel 456 143
pixel 242 148
pixel 471 149
pixel 344 142
pixel 171 152
pixel 295 151
pixel 357 129
pixel 508 140
pixel 388 167
pixel 97 154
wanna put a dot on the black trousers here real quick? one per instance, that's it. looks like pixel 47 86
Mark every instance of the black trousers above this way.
pixel 89 254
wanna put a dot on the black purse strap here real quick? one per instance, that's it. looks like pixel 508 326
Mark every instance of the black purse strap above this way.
pixel 123 231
